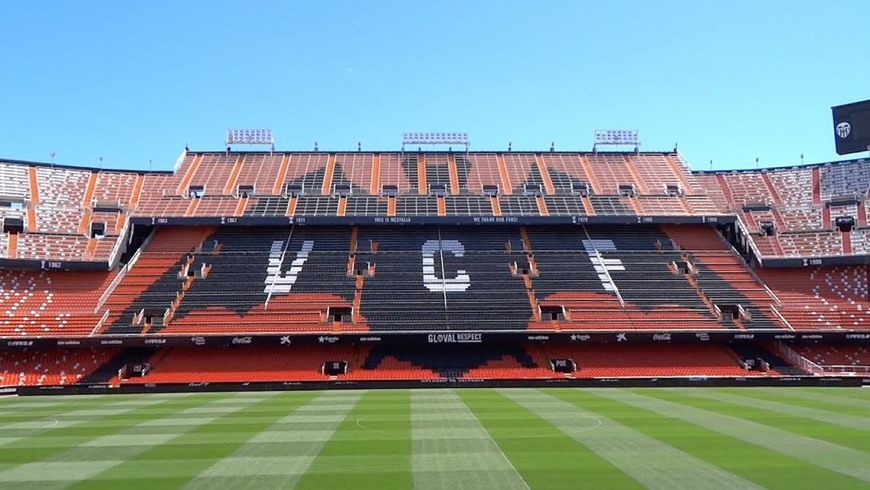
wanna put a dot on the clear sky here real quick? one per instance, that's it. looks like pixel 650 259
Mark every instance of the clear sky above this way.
pixel 134 81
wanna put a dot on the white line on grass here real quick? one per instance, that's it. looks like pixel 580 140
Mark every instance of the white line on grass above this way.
pixel 451 449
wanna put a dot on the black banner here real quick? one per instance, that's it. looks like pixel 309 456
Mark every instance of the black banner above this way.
pixel 424 220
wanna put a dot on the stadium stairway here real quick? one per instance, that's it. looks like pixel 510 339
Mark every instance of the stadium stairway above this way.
pixel 724 278
pixel 495 299
pixel 108 370
pixel 776 363
pixel 665 299
pixel 152 282
pixel 396 297
pixel 567 277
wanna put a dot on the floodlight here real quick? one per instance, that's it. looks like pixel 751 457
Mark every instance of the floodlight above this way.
pixel 249 137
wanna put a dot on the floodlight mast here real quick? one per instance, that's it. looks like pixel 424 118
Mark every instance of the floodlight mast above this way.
pixel 439 138
pixel 616 137
pixel 250 137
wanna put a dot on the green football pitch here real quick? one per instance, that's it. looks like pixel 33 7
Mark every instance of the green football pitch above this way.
pixel 727 438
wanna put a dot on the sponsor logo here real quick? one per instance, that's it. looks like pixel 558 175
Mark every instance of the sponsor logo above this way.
pixel 702 336
pixel 242 340
pixel 325 339
pixel 455 338
pixel 285 340
pixel 811 336
pixel 19 343
pixel 69 342
pixel 784 336
pixel 155 341
pixel 194 385
pixel 622 337
pixel 369 339
pixel 744 336
pixel 858 336
pixel 539 337
pixel 112 342
pixel 844 129
pixel 8 390
pixel 581 338
pixel 198 340
pixel 662 337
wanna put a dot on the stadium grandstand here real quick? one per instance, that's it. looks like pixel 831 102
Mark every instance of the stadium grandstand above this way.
pixel 430 266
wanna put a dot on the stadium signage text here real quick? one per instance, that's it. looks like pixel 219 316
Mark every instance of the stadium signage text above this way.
pixel 455 338
pixel 438 338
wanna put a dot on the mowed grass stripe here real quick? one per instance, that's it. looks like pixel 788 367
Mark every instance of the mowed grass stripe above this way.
pixel 830 399
pixel 76 427
pixel 757 464
pixel 451 449
pixel 179 460
pixel 651 462
pixel 11 413
pixel 92 456
pixel 54 417
pixel 787 407
pixel 279 455
pixel 542 454
pixel 781 418
pixel 704 413
pixel 370 449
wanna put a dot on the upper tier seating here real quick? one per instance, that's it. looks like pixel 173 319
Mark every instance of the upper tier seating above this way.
pixel 117 188
pixel 50 304
pixel 61 199
pixel 846 179
pixel 822 297
pixel 14 181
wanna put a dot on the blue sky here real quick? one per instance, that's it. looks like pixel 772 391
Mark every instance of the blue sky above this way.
pixel 730 81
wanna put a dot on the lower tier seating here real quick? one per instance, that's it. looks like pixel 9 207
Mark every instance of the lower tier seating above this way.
pixel 241 364
pixel 455 361
pixel 634 360
pixel 838 358
pixel 41 367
